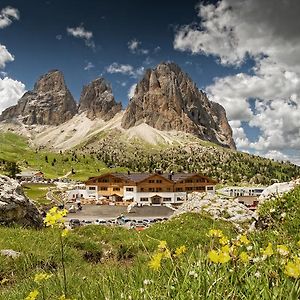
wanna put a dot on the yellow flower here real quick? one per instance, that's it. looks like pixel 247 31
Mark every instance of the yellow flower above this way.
pixel 224 257
pixel 292 269
pixel 38 278
pixel 155 262
pixel 213 255
pixel 215 233
pixel 180 250
pixel 225 248
pixel 65 232
pixel 55 217
pixel 32 295
pixel 298 243
pixel 244 257
pixel 244 240
pixel 283 250
pixel 167 253
pixel 268 251
pixel 162 245
pixel 223 240
pixel 63 297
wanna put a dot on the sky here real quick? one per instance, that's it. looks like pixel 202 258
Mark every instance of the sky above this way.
pixel 243 54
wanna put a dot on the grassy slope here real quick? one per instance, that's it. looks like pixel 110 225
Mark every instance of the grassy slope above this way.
pixel 16 148
pixel 126 254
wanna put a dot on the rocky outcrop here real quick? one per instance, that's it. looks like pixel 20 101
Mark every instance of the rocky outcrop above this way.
pixel 97 101
pixel 15 208
pixel 50 103
pixel 167 99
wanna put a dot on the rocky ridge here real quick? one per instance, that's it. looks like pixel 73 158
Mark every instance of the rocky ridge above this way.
pixel 15 208
pixel 97 101
pixel 50 103
pixel 167 99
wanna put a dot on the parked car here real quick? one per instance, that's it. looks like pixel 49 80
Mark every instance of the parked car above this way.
pixel 100 222
pixel 74 223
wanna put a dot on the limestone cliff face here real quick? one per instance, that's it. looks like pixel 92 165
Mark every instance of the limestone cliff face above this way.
pixel 50 103
pixel 167 99
pixel 97 101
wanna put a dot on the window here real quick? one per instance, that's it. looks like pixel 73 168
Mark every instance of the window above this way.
pixel 168 189
pixel 151 189
pixel 210 188
pixel 158 181
pixel 151 181
pixel 167 199
pixel 179 189
pixel 200 188
pixel 103 188
pixel 142 189
pixel 92 188
pixel 129 189
pixel 103 180
pixel 117 180
pixel 116 189
pixel 189 188
pixel 144 199
pixel 189 181
pixel 179 199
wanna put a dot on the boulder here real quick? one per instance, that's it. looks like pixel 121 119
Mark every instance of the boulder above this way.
pixel 15 208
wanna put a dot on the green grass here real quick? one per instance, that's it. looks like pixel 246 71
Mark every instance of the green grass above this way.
pixel 113 263
pixel 37 192
pixel 15 148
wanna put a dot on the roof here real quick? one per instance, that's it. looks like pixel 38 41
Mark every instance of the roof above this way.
pixel 138 177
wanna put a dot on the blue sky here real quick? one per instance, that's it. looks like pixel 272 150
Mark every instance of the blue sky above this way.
pixel 232 49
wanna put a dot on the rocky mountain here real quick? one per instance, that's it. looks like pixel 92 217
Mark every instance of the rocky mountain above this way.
pixel 167 99
pixel 15 208
pixel 97 100
pixel 50 103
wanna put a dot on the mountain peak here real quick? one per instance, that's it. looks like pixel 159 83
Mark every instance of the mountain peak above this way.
pixel 97 100
pixel 167 99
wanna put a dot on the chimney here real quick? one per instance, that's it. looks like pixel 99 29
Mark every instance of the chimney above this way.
pixel 170 176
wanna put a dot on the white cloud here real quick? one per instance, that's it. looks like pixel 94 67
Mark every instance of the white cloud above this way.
pixel 5 56
pixel 239 135
pixel 131 91
pixel 81 33
pixel 125 69
pixel 10 92
pixel 89 66
pixel 7 14
pixel 276 155
pixel 134 47
pixel 232 31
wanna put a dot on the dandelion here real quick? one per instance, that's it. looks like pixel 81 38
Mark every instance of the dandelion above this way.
pixel 213 255
pixel 244 240
pixel 244 257
pixel 223 240
pixel 162 245
pixel 215 233
pixel 224 257
pixel 32 295
pixel 180 250
pixel 55 217
pixel 38 278
pixel 155 262
pixel 283 250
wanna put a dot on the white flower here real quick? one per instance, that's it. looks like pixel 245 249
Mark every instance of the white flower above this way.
pixel 272 210
pixel 147 281
pixel 283 215
pixel 193 273
pixel 142 290
pixel 249 248
pixel 257 274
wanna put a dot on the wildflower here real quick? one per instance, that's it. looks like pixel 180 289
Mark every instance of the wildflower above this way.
pixel 249 248
pixel 193 274
pixel 223 240
pixel 257 274
pixel 32 295
pixel 268 251
pixel 244 257
pixel 213 256
pixel 225 248
pixel 272 210
pixel 224 257
pixel 147 281
pixel 283 215
pixel 292 269
pixel 244 240
pixel 180 250
pixel 65 232
pixel 38 278
pixel 142 290
pixel 155 262
pixel 256 259
pixel 167 253
pixel 162 245
pixel 298 243
pixel 55 217
pixel 282 250
pixel 215 233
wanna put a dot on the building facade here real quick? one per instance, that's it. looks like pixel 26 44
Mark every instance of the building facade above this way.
pixel 148 188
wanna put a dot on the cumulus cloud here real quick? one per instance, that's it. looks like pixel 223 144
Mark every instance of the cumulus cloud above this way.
pixel 7 15
pixel 81 33
pixel 10 92
pixel 89 66
pixel 131 91
pixel 134 47
pixel 268 97
pixel 125 69
pixel 5 56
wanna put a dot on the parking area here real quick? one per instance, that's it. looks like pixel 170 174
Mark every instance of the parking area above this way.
pixel 107 212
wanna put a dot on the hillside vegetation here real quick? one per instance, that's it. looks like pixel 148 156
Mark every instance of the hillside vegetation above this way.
pixel 110 152
pixel 187 257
